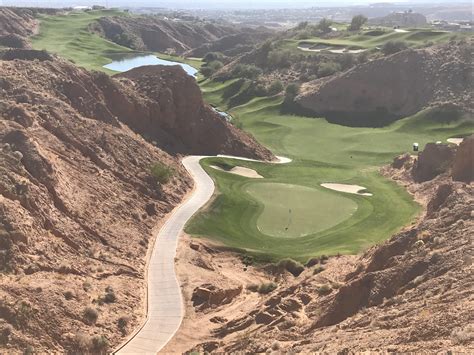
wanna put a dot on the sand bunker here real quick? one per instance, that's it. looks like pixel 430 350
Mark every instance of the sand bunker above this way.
pixel 240 170
pixel 399 30
pixel 330 49
pixel 352 189
pixel 456 141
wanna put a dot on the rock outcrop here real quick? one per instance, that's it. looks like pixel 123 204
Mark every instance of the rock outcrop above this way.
pixel 177 117
pixel 380 91
pixel 435 159
pixel 463 166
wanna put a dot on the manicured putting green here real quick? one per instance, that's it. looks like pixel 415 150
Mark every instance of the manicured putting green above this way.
pixel 296 211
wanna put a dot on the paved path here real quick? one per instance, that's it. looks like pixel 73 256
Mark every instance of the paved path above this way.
pixel 165 305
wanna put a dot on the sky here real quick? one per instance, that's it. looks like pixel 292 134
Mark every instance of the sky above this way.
pixel 214 4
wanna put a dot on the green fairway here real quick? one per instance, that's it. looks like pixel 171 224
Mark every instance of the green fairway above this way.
pixel 69 36
pixel 295 211
pixel 373 39
pixel 245 216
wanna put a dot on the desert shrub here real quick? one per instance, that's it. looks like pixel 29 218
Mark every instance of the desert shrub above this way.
pixel 275 87
pixel 5 333
pixel 109 296
pixel 83 342
pixel 248 260
pixel 29 350
pixel 100 344
pixel 294 267
pixel 279 59
pixel 328 68
pixel 122 324
pixel 324 290
pixel 86 286
pixel 346 60
pixel 291 92
pixel 90 315
pixel 161 173
pixel 311 262
pixel 68 295
pixel 266 287
pixel 247 71
pixel 357 22
pixel 323 258
pixel 23 314
pixel 392 47
pixel 252 287
pixel 318 269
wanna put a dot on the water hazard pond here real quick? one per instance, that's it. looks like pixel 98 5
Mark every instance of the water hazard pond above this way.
pixel 130 61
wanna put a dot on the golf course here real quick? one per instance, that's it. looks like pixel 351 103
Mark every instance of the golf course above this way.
pixel 288 213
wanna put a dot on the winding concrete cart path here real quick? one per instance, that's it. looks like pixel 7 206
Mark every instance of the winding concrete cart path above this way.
pixel 165 308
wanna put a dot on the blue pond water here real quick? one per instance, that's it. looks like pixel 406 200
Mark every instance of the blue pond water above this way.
pixel 129 62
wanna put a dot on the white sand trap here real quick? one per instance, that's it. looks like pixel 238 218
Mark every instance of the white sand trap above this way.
pixel 456 141
pixel 328 49
pixel 352 189
pixel 399 30
pixel 240 170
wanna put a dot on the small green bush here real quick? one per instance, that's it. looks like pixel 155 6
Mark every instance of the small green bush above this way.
pixel 324 290
pixel 100 344
pixel 68 295
pixel 252 287
pixel 122 324
pixel 294 267
pixel 318 269
pixel 328 68
pixel 275 87
pixel 161 173
pixel 90 315
pixel 265 288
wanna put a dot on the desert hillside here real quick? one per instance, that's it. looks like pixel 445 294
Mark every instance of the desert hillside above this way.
pixel 378 88
pixel 157 34
pixel 81 192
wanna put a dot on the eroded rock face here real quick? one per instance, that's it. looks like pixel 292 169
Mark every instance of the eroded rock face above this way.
pixel 435 159
pixel 154 34
pixel 209 295
pixel 175 110
pixel 380 91
pixel 463 166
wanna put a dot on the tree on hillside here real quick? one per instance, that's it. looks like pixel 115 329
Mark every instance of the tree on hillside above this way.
pixel 210 68
pixel 325 25
pixel 213 56
pixel 357 22
pixel 275 87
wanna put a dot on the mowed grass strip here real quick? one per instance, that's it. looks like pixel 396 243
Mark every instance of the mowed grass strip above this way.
pixel 295 211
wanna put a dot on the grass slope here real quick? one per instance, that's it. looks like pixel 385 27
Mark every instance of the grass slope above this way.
pixel 367 39
pixel 68 35
pixel 322 152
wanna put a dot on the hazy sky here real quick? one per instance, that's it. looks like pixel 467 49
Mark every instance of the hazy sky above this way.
pixel 217 4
